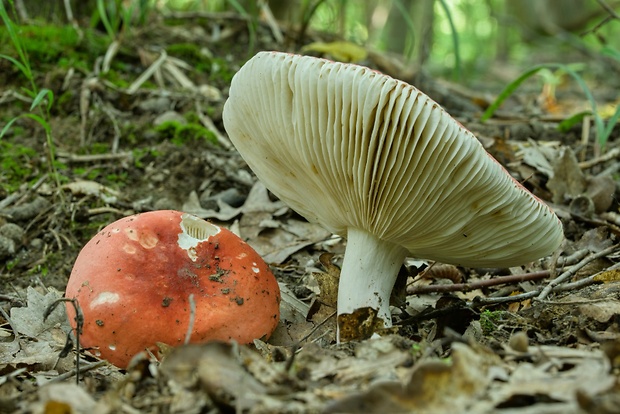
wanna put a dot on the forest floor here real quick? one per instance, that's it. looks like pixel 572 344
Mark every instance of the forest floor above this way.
pixel 544 340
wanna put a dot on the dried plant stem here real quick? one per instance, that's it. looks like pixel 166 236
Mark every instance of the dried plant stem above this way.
pixel 192 319
pixel 573 270
pixel 466 287
pixel 556 285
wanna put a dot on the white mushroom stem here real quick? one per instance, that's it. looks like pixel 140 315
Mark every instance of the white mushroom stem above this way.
pixel 368 274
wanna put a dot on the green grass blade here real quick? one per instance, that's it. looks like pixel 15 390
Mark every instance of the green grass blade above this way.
pixel 611 123
pixel 455 40
pixel 251 23
pixel 508 90
pixel 43 93
pixel 40 121
pixel 611 52
pixel 103 15
pixel 572 120
pixel 511 87
pixel 22 68
pixel 16 41
pixel 8 125
pixel 409 22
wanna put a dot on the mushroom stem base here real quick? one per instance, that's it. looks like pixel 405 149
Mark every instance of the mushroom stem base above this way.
pixel 367 278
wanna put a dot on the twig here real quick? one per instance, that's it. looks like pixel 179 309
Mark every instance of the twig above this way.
pixel 77 371
pixel 597 222
pixel 479 301
pixel 207 122
pixel 147 73
pixel 573 302
pixel 95 157
pixel 271 21
pixel 608 156
pixel 466 287
pixel 192 318
pixel 585 281
pixel 103 210
pixel 573 270
pixel 305 338
pixel 79 325
pixel 608 9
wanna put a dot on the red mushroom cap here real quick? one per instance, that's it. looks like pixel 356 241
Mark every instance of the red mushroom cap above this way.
pixel 133 281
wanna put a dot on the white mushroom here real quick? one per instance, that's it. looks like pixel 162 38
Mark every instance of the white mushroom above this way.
pixel 375 160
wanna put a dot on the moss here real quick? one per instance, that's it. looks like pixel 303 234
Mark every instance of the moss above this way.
pixel 489 320
pixel 54 44
pixel 220 72
pixel 18 164
pixel 180 134
pixel 115 78
pixel 99 148
pixel 142 156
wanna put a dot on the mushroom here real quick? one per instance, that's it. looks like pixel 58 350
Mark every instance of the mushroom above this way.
pixel 134 279
pixel 373 159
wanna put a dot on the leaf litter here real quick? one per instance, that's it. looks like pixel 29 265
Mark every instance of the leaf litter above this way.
pixel 540 338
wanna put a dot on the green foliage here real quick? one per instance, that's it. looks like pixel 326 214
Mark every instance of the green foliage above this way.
pixel 180 134
pixel 603 131
pixel 140 155
pixel 455 40
pixel 489 320
pixel 17 165
pixel 191 53
pixel 116 16
pixel 117 178
pixel 42 99
pixel 252 18
pixel 43 43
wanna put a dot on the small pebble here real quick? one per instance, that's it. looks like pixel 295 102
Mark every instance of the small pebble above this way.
pixel 13 231
pixel 7 247
pixel 519 341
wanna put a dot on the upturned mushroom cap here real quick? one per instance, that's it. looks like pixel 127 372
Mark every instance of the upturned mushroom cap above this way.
pixel 133 281
pixel 348 147
pixel 377 161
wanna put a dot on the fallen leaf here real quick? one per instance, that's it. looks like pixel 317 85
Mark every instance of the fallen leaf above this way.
pixel 339 50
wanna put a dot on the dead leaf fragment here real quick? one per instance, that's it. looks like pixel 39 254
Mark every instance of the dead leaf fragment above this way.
pixel 601 311
pixel 568 179
pixel 435 386
pixel 339 50
pixel 217 370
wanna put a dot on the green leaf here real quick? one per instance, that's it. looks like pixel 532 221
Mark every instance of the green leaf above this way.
pixel 7 126
pixel 43 93
pixel 22 68
pixel 610 51
pixel 569 122
pixel 508 90
pixel 512 86
pixel 611 123
pixel 40 121
pixel 103 15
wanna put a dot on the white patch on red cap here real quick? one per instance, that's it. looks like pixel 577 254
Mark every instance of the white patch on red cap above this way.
pixel 105 298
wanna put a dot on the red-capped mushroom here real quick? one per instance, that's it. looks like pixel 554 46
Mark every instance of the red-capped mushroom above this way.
pixel 133 282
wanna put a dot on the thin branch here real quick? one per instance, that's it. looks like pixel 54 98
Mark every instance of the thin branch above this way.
pixel 192 319
pixel 478 284
pixel 573 270
pixel 608 9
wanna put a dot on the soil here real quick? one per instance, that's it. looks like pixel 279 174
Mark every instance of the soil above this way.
pixel 496 341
